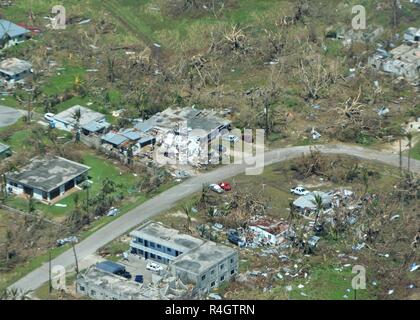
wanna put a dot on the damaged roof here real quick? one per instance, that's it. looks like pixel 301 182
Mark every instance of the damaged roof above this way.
pixel 13 66
pixel 48 173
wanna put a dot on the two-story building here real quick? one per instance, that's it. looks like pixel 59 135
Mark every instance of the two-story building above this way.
pixel 207 266
pixel 203 264
pixel 156 242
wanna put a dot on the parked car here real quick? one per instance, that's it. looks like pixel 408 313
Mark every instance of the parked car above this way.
pixel 151 266
pixel 49 116
pixel 71 239
pixel 225 186
pixel 113 212
pixel 299 190
pixel 216 188
pixel 234 238
pixel 231 138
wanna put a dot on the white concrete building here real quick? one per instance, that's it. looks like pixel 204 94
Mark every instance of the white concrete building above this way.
pixel 46 179
pixel 66 120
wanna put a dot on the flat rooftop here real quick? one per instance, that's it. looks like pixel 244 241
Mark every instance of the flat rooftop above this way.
pixel 158 233
pixel 47 173
pixel 194 119
pixel 203 257
pixel 13 66
pixel 87 116
pixel 119 285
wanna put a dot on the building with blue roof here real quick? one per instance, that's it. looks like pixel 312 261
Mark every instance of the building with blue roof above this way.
pixel 115 139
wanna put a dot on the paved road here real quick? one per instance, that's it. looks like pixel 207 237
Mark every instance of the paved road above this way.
pixel 167 199
pixel 9 116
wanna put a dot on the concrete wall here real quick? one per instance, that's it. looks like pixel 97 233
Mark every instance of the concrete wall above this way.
pixel 212 277
pixel 87 288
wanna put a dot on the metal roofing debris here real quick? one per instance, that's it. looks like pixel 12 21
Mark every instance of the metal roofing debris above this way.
pixel 14 66
pixel 3 148
pixel 308 202
pixel 8 28
pixel 48 173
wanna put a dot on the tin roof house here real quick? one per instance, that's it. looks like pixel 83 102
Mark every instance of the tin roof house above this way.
pixel 11 33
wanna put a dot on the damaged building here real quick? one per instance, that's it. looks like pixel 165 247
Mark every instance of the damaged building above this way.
pixel 402 61
pixel 101 285
pixel 13 69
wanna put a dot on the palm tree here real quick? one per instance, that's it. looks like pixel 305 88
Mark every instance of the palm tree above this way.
pixel 31 205
pixel 86 186
pixel 188 211
pixel 77 115
pixel 319 204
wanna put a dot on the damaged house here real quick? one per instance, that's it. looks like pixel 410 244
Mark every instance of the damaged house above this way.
pixel 12 34
pixel 403 61
pixel 13 69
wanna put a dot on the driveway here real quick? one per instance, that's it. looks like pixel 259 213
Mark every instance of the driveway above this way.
pixel 9 116
pixel 170 197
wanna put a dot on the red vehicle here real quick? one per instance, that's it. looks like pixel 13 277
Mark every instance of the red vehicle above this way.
pixel 225 186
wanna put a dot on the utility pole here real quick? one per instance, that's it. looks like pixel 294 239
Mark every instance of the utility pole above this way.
pixel 400 157
pixel 75 258
pixel 49 272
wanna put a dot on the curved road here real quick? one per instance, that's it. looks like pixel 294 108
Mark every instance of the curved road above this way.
pixel 170 197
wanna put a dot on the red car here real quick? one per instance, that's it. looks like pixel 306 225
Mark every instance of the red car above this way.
pixel 225 186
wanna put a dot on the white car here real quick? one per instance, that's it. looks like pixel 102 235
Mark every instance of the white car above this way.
pixel 300 191
pixel 151 266
pixel 49 116
pixel 113 212
pixel 216 188
pixel 231 138
pixel 71 239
